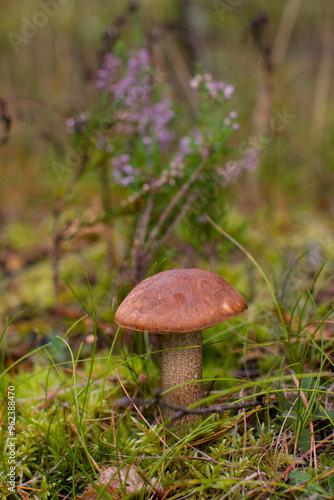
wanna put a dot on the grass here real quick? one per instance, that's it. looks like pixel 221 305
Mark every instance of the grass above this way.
pixel 73 416
pixel 269 372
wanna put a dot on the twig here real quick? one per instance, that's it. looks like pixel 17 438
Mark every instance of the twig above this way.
pixel 186 207
pixel 301 458
pixel 173 203
pixel 238 485
pixel 222 431
pixel 141 231
pixel 137 409
pixel 279 435
pixel 22 494
pixel 36 478
pixel 195 411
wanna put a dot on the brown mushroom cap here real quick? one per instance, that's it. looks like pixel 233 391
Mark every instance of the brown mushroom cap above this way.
pixel 179 300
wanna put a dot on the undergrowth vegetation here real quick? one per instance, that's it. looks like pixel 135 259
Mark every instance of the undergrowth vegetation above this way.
pixel 153 162
pixel 272 434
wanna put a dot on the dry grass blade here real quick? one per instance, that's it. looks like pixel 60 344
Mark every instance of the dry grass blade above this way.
pixel 137 409
pixel 90 456
pixel 306 405
pixel 302 457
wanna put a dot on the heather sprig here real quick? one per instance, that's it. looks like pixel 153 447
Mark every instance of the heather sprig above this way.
pixel 144 151
pixel 158 173
pixel 141 111
pixel 215 89
pixel 154 158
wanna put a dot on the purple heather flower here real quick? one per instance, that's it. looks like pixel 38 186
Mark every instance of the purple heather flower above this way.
pixel 140 112
pixel 127 180
pixel 77 124
pixel 215 88
pixel 123 172
pixel 70 124
pixel 185 145
pixel 228 91
pixel 133 89
pixel 233 168
pixel 251 159
pixel 195 82
pixel 109 71
pixel 230 172
pixel 128 169
pixel 188 145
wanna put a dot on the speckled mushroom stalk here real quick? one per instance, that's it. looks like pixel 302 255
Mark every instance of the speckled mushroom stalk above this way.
pixel 181 363
pixel 179 304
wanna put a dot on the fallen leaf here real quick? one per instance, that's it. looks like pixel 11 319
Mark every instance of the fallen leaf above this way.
pixel 129 478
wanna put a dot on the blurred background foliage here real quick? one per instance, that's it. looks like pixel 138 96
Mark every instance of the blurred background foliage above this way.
pixel 278 56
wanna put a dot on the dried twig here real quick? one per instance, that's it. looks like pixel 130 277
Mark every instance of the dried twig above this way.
pixel 302 457
pixel 186 207
pixel 137 409
pixel 173 203
pixel 195 411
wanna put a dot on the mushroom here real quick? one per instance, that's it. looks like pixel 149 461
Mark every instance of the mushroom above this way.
pixel 178 304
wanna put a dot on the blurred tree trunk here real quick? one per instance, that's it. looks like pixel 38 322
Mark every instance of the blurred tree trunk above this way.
pixel 323 79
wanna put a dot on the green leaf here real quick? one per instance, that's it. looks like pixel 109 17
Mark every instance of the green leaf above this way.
pixel 299 476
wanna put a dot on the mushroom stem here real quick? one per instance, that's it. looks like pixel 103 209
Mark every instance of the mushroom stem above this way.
pixel 181 363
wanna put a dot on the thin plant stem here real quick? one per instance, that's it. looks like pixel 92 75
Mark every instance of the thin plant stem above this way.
pixel 174 201
pixel 186 207
pixel 258 267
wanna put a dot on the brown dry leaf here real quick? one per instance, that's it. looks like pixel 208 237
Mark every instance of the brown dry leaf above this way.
pixel 130 478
